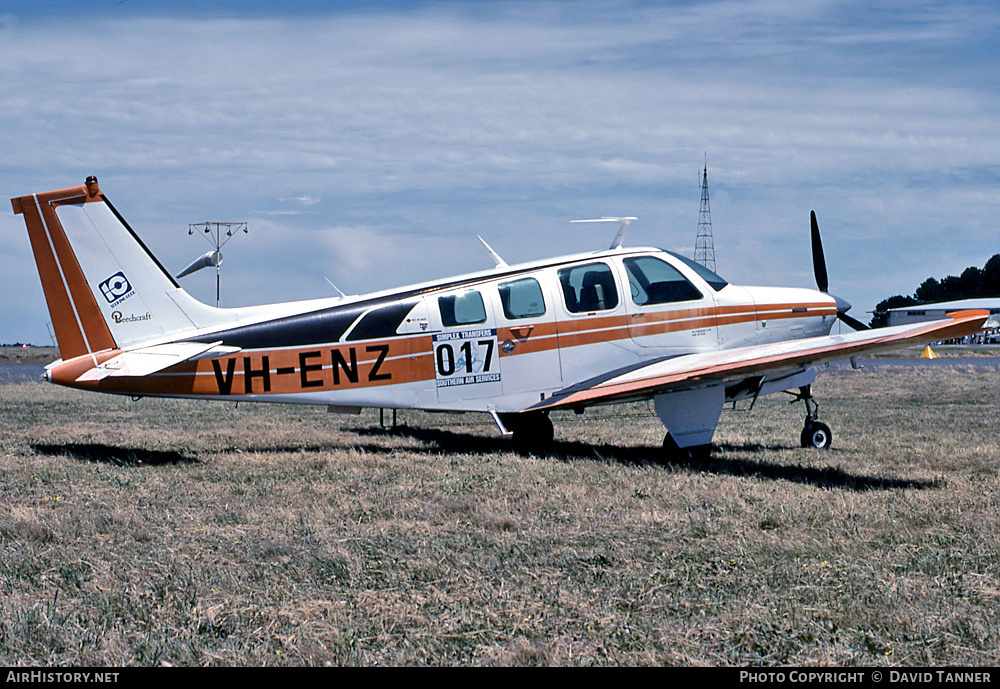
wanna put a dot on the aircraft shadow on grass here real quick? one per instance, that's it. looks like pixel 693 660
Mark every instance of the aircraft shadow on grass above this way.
pixel 440 442
pixel 720 462
pixel 99 453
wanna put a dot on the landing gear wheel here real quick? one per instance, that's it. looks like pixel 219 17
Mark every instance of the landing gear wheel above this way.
pixel 675 453
pixel 532 432
pixel 816 434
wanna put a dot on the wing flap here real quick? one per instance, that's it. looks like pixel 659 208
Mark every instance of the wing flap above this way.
pixel 696 369
pixel 147 360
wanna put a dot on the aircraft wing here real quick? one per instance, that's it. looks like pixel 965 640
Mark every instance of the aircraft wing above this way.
pixel 147 360
pixel 691 370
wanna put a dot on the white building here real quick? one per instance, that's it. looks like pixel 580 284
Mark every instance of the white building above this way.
pixel 904 315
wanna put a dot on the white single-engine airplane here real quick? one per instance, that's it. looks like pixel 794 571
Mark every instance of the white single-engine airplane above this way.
pixel 516 342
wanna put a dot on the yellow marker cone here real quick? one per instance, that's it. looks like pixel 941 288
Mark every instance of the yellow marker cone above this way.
pixel 928 353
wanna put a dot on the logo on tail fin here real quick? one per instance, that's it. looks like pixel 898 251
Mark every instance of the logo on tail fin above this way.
pixel 116 288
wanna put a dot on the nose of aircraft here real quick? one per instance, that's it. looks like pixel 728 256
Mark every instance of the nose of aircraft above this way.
pixel 843 306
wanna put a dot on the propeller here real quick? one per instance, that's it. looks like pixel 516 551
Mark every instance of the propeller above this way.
pixel 823 281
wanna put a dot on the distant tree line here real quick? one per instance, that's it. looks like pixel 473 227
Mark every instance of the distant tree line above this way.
pixel 972 283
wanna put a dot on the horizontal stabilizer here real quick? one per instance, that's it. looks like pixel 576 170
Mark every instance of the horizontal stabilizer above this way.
pixel 147 360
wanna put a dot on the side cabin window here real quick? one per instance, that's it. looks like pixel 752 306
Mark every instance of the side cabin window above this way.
pixel 462 309
pixel 590 287
pixel 521 298
pixel 653 281
pixel 713 280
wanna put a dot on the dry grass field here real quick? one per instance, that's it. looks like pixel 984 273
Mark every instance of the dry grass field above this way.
pixel 165 532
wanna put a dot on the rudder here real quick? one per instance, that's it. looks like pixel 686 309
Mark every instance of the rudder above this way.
pixel 104 289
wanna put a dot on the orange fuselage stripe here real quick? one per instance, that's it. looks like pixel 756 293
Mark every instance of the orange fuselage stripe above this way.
pixel 408 359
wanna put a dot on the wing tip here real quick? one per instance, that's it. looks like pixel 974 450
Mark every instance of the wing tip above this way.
pixel 969 313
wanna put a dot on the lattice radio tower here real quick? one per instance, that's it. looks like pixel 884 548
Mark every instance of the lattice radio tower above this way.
pixel 704 246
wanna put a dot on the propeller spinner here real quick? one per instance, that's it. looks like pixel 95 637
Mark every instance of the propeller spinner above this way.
pixel 823 281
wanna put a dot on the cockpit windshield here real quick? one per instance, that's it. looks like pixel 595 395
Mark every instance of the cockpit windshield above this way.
pixel 713 280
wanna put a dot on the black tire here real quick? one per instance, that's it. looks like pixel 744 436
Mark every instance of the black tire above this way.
pixel 532 432
pixel 817 435
pixel 675 453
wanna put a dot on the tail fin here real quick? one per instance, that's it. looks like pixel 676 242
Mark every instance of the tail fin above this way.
pixel 103 287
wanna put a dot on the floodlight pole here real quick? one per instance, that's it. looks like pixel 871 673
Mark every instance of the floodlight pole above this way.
pixel 213 233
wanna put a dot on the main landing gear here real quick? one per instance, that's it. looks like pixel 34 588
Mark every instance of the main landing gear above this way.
pixel 531 431
pixel 680 454
pixel 815 433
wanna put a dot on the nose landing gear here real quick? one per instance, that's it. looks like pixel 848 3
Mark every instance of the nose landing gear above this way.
pixel 815 433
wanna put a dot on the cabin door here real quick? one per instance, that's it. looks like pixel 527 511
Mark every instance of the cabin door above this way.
pixel 529 345
pixel 465 350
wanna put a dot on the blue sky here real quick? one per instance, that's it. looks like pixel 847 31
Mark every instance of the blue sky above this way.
pixel 368 145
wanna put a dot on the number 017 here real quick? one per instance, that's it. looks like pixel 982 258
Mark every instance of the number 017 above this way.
pixel 446 361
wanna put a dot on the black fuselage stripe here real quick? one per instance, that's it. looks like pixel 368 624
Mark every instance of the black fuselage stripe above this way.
pixel 330 324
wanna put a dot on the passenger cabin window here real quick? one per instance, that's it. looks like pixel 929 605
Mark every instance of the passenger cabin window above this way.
pixel 462 309
pixel 653 281
pixel 589 287
pixel 521 298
